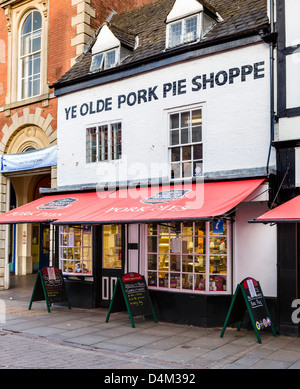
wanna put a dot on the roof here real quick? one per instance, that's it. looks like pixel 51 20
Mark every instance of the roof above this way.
pixel 240 18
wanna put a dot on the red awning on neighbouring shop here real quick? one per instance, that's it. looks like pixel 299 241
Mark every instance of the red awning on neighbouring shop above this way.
pixel 164 203
pixel 288 212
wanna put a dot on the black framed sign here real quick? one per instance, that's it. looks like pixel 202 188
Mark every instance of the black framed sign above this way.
pixel 249 297
pixel 131 293
pixel 49 285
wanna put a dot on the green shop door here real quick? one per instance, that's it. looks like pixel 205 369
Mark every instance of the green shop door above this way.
pixel 112 260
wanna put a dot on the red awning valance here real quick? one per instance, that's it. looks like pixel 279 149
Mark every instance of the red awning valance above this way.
pixel 165 203
pixel 159 203
pixel 285 213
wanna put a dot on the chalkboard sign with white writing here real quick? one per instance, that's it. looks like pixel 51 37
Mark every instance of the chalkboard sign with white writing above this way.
pixel 132 290
pixel 49 286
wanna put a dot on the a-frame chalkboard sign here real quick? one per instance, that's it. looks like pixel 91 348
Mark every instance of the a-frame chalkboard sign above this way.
pixel 249 297
pixel 131 294
pixel 49 285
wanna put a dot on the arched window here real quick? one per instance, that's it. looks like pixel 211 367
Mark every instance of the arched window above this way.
pixel 30 55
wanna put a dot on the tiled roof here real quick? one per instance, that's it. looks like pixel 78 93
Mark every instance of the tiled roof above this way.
pixel 148 23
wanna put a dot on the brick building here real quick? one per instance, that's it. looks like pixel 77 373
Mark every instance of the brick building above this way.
pixel 39 41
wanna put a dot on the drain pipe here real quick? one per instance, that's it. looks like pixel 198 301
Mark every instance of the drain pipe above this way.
pixel 271 39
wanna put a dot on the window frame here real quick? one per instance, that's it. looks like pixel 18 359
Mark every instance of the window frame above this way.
pixel 207 255
pixel 183 21
pixel 110 145
pixel 67 242
pixel 103 64
pixel 31 55
pixel 181 145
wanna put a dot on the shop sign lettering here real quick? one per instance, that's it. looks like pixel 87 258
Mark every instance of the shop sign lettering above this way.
pixel 198 83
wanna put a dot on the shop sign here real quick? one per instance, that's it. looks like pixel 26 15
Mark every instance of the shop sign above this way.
pixel 30 160
pixel 198 82
pixel 131 293
pixel 249 298
pixel 49 286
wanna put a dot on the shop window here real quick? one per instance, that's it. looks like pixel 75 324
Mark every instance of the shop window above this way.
pixel 75 250
pixel 185 144
pixel 112 247
pixel 103 61
pixel 104 142
pixel 188 256
pixel 30 55
pixel 183 31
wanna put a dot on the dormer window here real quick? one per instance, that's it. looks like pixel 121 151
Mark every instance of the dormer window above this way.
pixel 188 22
pixel 104 60
pixel 184 31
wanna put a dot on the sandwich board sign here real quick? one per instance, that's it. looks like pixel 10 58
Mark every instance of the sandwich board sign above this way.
pixel 49 285
pixel 249 297
pixel 131 294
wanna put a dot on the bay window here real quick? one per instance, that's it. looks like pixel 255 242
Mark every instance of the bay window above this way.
pixel 188 256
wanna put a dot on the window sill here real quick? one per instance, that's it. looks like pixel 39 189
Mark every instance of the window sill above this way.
pixel 41 98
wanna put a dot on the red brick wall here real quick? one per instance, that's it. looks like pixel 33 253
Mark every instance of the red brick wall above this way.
pixel 3 57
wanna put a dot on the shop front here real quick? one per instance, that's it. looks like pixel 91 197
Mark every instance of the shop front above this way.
pixel 181 238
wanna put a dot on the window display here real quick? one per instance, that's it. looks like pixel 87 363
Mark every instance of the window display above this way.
pixel 112 247
pixel 75 250
pixel 188 256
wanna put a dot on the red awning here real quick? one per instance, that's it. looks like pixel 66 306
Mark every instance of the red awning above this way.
pixel 164 203
pixel 49 208
pixel 287 212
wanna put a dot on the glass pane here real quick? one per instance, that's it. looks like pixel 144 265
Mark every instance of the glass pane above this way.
pixel 197 134
pixel 112 251
pixel 198 168
pixel 36 44
pixel 217 283
pixel 199 282
pixel 185 135
pixel 152 244
pixel 174 137
pixel 187 281
pixel 175 280
pixel 152 279
pixel 174 121
pixel 37 21
pixel 187 263
pixel 152 229
pixel 217 245
pixel 187 169
pixel 175 34
pixel 175 170
pixel 175 154
pixel 163 244
pixel 196 117
pixel 164 280
pixel 187 228
pixel 199 245
pixel 185 119
pixel 187 245
pixel 163 263
pixel 26 45
pixel 197 151
pixel 110 59
pixel 175 263
pixel 96 62
pixel 27 26
pixel 152 262
pixel 200 264
pixel 186 153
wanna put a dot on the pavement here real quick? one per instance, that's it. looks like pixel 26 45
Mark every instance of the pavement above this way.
pixel 81 339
